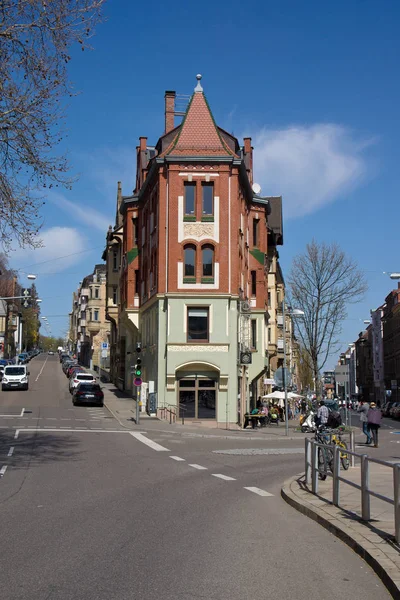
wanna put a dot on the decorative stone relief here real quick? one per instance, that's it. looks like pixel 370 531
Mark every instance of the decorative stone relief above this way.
pixel 197 230
pixel 198 348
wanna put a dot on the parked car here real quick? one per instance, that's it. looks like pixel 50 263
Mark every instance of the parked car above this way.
pixel 2 367
pixel 64 356
pixel 15 377
pixel 68 363
pixel 72 369
pixel 51 353
pixel 23 358
pixel 88 393
pixel 396 411
pixel 78 378
pixel 392 408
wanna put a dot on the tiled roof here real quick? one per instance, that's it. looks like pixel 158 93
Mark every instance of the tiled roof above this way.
pixel 198 134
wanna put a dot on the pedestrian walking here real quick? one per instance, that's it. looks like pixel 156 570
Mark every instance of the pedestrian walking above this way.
pixel 374 422
pixel 363 410
pixel 322 414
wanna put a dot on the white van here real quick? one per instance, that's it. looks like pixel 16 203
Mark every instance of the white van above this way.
pixel 15 377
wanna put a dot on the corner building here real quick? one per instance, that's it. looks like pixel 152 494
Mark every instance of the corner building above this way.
pixel 194 270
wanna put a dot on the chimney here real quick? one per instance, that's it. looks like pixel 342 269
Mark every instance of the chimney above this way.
pixel 143 143
pixel 169 110
pixel 248 158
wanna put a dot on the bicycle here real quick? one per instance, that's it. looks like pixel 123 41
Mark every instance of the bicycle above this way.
pixel 336 438
pixel 325 454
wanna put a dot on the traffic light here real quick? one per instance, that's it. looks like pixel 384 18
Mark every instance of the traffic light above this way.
pixel 138 366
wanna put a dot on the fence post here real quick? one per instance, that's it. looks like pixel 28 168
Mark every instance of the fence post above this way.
pixel 365 498
pixel 396 498
pixel 352 448
pixel 308 471
pixel 336 475
pixel 314 468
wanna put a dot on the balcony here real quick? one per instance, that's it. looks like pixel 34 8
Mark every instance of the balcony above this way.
pixel 93 326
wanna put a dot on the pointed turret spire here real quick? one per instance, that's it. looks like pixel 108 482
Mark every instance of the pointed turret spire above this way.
pixel 198 87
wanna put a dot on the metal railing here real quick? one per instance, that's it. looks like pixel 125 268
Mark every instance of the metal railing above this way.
pixel 168 412
pixel 312 473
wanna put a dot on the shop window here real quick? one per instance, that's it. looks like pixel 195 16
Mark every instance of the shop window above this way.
pixel 197 324
pixel 190 261
pixel 207 261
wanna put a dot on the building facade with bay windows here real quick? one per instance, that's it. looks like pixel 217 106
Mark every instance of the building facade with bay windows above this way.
pixel 194 266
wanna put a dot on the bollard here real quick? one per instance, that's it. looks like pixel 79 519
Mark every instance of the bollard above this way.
pixel 336 475
pixel 365 499
pixel 314 468
pixel 396 499
pixel 352 448
pixel 308 470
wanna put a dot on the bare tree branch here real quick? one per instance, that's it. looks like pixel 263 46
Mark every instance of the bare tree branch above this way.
pixel 322 282
pixel 35 41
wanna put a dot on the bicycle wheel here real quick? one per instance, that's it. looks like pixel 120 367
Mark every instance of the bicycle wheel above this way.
pixel 329 458
pixel 344 457
pixel 322 465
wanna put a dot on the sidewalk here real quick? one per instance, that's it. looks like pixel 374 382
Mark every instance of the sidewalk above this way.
pixel 123 407
pixel 373 540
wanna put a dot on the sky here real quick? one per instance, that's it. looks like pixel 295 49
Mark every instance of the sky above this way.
pixel 315 85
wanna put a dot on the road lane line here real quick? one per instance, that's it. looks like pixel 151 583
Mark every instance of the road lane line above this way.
pixel 22 412
pixel 65 430
pixel 224 477
pixel 11 451
pixel 178 458
pixel 199 467
pixel 41 370
pixel 3 470
pixel 141 438
pixel 16 434
pixel 258 491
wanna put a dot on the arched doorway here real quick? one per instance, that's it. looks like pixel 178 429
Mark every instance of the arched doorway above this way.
pixel 197 391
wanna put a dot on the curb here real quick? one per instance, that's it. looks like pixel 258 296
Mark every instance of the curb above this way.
pixel 291 498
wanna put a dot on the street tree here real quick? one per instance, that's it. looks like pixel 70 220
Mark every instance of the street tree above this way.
pixel 8 278
pixel 323 281
pixel 36 38
pixel 305 370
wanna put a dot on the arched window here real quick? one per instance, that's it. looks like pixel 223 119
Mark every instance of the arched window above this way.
pixel 190 261
pixel 208 261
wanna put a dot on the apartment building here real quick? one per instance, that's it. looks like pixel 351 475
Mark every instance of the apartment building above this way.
pixel 193 275
pixel 391 343
pixel 89 328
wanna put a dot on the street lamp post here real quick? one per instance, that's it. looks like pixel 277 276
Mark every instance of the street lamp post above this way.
pixel 295 312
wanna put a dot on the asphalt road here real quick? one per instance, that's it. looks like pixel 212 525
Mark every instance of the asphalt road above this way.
pixel 90 511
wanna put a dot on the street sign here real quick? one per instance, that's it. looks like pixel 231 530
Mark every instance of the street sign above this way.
pixel 137 381
pixel 278 377
pixel 104 346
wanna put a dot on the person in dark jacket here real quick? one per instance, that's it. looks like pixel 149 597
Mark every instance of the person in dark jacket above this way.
pixel 374 422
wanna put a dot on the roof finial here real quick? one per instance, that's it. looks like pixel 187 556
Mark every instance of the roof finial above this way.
pixel 198 87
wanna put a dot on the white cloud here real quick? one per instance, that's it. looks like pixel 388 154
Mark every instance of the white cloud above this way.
pixel 106 166
pixel 309 166
pixel 57 242
pixel 83 214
